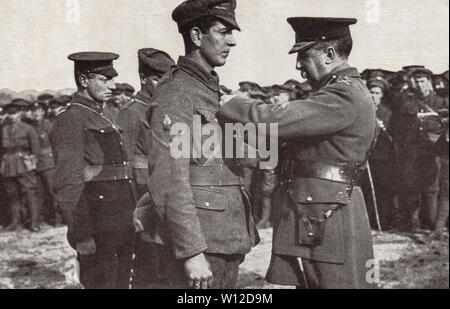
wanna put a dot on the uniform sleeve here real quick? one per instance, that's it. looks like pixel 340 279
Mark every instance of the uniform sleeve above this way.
pixel 129 125
pixel 169 178
pixel 326 112
pixel 67 139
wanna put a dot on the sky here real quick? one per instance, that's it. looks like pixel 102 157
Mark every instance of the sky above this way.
pixel 38 35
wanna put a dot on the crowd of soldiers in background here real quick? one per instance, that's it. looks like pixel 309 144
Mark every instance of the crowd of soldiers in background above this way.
pixel 406 189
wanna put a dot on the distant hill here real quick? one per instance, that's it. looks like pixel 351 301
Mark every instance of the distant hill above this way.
pixel 6 95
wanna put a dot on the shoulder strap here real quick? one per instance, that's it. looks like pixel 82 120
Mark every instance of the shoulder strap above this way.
pixel 98 114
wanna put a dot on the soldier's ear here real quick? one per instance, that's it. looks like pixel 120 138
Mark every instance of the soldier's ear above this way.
pixel 196 36
pixel 83 80
pixel 330 55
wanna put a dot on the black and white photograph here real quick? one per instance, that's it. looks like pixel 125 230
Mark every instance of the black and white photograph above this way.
pixel 250 145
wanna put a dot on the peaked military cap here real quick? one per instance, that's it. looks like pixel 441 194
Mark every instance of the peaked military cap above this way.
pixel 191 10
pixel 20 103
pixel 421 72
pixel 39 105
pixel 249 86
pixel 45 97
pixel 410 68
pixel 124 88
pixel 311 30
pixel 95 62
pixel 292 83
pixel 282 88
pixel 154 60
pixel 377 82
pixel 58 102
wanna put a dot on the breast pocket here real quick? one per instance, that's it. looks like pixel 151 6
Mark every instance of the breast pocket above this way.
pixel 107 139
pixel 210 199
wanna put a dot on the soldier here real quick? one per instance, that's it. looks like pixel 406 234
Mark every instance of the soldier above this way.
pixel 122 94
pixel 132 118
pixel 18 165
pixel 415 136
pixel 383 161
pixel 93 178
pixel 322 225
pixel 46 164
pixel 153 64
pixel 200 209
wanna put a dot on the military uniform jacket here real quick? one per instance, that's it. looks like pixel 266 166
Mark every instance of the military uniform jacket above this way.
pixel 336 124
pixel 92 180
pixel 200 201
pixel 45 158
pixel 133 120
pixel 21 148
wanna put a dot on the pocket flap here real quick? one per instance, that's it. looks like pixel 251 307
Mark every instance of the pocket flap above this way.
pixel 209 198
pixel 100 128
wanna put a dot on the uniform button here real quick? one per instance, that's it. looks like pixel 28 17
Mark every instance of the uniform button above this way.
pixel 309 199
pixel 101 197
pixel 130 181
pixel 126 176
pixel 125 163
pixel 102 131
pixel 207 204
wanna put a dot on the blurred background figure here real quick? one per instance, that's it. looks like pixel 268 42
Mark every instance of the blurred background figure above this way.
pixel 383 163
pixel 19 163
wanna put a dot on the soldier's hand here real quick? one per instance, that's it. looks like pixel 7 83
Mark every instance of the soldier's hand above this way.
pixel 198 272
pixel 138 226
pixel 86 247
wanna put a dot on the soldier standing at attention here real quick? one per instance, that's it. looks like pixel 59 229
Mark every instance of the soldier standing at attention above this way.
pixel 322 237
pixel 132 119
pixel 93 178
pixel 18 165
pixel 201 213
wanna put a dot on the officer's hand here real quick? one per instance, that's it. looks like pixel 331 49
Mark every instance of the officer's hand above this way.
pixel 198 272
pixel 86 247
pixel 138 226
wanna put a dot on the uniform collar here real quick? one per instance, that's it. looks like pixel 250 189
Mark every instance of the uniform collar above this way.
pixel 343 70
pixel 78 98
pixel 210 79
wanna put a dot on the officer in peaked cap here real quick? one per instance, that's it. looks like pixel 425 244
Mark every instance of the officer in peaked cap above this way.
pixel 322 238
pixel 205 236
pixel 93 180
pixel 153 64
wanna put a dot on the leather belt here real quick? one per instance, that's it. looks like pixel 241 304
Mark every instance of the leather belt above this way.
pixel 343 173
pixel 108 172
pixel 221 175
pixel 140 162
